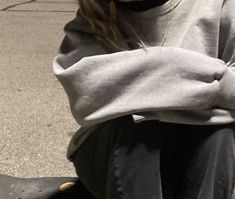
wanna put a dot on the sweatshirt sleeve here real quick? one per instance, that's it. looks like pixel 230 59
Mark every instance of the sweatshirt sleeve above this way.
pixel 226 96
pixel 103 86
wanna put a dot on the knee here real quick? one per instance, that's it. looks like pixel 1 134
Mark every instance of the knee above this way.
pixel 221 141
pixel 223 136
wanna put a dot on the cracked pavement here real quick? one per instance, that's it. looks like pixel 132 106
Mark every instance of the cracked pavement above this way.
pixel 17 4
pixel 35 120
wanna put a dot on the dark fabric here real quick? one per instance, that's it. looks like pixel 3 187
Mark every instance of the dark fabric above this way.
pixel 155 160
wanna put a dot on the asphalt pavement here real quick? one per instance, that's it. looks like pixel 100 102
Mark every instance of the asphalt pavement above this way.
pixel 35 120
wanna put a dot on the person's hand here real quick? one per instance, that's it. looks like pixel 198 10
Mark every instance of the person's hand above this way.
pixel 226 95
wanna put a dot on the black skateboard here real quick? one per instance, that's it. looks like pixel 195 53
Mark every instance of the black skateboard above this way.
pixel 42 188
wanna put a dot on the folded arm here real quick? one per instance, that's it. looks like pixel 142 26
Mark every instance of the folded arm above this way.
pixel 105 86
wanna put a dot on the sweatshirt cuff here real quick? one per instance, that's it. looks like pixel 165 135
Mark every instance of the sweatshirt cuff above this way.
pixel 226 95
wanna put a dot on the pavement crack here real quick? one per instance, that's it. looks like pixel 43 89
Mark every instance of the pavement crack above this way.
pixel 17 4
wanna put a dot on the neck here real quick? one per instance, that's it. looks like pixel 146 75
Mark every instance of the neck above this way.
pixel 139 5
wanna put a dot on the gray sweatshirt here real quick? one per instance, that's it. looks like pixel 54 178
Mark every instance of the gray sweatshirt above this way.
pixel 189 80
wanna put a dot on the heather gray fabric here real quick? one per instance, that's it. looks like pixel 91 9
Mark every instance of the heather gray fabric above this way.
pixel 189 80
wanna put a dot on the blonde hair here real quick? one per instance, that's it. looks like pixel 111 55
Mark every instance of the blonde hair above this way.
pixel 105 29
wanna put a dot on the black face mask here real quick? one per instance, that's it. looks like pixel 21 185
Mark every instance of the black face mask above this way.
pixel 140 5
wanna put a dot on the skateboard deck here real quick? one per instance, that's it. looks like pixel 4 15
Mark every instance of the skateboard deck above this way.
pixel 42 188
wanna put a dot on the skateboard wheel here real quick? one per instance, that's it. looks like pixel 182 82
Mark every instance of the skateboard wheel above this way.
pixel 66 186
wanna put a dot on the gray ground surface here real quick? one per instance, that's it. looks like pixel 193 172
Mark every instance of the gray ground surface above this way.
pixel 35 121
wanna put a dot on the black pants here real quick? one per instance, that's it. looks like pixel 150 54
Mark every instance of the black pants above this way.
pixel 156 160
